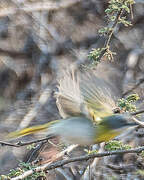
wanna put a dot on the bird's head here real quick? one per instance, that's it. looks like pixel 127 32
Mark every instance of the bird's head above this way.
pixel 118 121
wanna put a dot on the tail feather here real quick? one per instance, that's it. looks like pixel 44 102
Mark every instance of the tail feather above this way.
pixel 31 130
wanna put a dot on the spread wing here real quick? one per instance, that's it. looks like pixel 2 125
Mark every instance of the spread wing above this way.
pixel 68 98
pixel 84 93
pixel 97 95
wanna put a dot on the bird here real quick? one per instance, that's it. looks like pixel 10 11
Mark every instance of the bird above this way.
pixel 85 103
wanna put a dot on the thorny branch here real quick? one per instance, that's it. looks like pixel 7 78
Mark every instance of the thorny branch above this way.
pixel 109 36
pixel 113 26
pixel 57 164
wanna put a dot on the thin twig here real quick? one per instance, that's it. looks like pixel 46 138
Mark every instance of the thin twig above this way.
pixel 120 167
pixel 113 26
pixel 19 144
pixel 109 36
pixel 131 10
pixel 137 112
pixel 57 164
pixel 138 122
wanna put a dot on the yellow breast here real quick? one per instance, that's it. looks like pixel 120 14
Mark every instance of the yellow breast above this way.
pixel 105 135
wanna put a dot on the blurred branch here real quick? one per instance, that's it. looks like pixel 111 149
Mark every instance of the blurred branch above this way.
pixel 133 88
pixel 12 53
pixel 38 22
pixel 139 1
pixel 93 166
pixel 61 163
pixel 121 167
pixel 45 6
pixel 32 113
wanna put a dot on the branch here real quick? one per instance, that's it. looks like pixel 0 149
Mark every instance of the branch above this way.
pixel 112 27
pixel 32 113
pixel 14 54
pixel 138 122
pixel 120 167
pixel 137 112
pixel 57 164
pixel 109 36
pixel 19 144
pixel 133 88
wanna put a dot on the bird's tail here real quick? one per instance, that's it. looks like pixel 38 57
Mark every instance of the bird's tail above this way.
pixel 31 130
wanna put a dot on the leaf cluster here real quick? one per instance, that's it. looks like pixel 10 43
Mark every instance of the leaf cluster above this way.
pixel 116 145
pixel 23 167
pixel 126 104
pixel 115 14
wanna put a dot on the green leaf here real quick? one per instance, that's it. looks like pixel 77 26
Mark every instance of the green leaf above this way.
pixel 126 8
pixel 116 145
pixel 133 97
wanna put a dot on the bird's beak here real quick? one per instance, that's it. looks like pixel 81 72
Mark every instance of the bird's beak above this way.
pixel 133 124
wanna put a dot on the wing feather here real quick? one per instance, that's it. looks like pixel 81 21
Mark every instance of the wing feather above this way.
pixel 84 94
pixel 68 98
pixel 97 95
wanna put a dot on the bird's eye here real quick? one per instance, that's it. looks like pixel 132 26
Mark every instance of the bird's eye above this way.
pixel 116 110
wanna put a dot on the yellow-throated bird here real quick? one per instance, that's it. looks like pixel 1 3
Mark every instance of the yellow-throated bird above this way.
pixel 85 103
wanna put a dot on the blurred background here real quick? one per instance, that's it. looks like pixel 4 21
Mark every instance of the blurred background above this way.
pixel 40 39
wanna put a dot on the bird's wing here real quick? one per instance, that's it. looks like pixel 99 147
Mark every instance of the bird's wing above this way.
pixel 97 95
pixel 68 98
